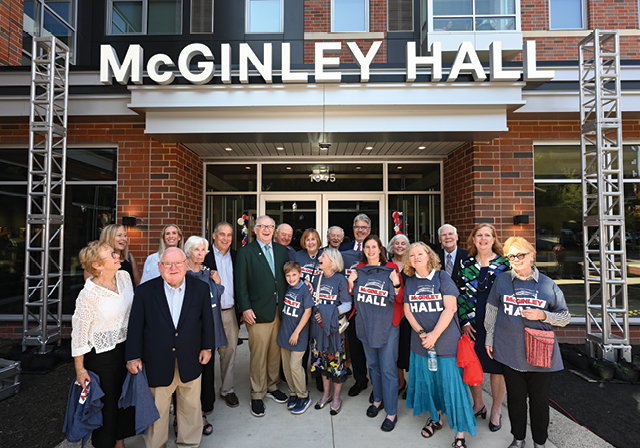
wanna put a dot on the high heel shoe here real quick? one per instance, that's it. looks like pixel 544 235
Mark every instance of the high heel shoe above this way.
pixel 497 427
pixel 481 413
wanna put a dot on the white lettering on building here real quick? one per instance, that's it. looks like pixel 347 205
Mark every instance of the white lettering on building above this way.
pixel 466 61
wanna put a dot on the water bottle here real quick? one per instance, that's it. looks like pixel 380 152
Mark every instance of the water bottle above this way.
pixel 433 360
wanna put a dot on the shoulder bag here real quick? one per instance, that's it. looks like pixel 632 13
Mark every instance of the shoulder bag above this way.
pixel 539 343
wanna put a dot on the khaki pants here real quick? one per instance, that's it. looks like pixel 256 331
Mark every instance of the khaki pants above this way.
pixel 264 366
pixel 294 372
pixel 228 353
pixel 188 413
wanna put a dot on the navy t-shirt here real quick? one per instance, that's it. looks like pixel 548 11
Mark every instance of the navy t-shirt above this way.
pixel 310 267
pixel 374 295
pixel 424 296
pixel 333 291
pixel 296 301
pixel 351 259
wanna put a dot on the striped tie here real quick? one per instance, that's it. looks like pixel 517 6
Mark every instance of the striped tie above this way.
pixel 449 265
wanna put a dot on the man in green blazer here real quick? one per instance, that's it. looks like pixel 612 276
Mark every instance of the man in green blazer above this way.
pixel 260 286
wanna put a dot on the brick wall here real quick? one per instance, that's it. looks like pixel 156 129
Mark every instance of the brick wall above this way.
pixel 493 182
pixel 317 18
pixel 160 184
pixel 602 14
pixel 11 20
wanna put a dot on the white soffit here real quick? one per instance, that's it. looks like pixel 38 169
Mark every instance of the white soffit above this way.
pixel 327 112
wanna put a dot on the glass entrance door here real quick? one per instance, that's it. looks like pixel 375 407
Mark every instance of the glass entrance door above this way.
pixel 321 211
pixel 300 211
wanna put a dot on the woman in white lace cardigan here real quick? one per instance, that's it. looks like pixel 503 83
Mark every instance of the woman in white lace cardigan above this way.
pixel 98 338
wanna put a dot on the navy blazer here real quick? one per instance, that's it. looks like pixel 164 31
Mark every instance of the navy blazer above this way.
pixel 210 262
pixel 460 255
pixel 153 338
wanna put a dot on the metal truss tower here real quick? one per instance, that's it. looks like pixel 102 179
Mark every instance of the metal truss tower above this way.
pixel 604 236
pixel 42 316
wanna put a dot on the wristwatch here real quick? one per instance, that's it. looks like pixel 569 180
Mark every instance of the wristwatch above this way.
pixel 396 286
pixel 421 331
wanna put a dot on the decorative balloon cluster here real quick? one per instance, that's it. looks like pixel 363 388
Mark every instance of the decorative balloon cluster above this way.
pixel 244 222
pixel 397 220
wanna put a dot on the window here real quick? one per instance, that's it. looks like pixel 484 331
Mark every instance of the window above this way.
pixel 158 17
pixel 264 16
pixel 43 18
pixel 90 204
pixel 558 210
pixel 400 15
pixel 350 15
pixel 474 15
pixel 566 14
pixel 202 16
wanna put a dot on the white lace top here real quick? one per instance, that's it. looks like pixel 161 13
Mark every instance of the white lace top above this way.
pixel 101 317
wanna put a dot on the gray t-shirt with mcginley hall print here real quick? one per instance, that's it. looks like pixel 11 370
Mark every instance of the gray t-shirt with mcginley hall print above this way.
pixel 296 301
pixel 373 295
pixel 424 296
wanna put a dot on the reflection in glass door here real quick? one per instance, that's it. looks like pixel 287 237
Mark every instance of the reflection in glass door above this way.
pixel 341 212
pixel 301 213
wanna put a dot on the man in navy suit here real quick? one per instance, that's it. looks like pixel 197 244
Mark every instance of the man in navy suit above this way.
pixel 171 331
pixel 450 254
pixel 361 230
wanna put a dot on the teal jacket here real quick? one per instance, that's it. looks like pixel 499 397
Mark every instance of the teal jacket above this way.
pixel 255 285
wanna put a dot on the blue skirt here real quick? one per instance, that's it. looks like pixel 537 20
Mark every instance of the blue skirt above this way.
pixel 441 391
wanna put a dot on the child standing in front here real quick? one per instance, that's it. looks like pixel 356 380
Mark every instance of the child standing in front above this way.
pixel 293 337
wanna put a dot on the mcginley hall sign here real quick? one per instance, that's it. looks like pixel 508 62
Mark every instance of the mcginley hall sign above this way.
pixel 466 61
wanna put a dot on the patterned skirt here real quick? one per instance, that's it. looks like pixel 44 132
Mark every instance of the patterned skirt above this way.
pixel 329 364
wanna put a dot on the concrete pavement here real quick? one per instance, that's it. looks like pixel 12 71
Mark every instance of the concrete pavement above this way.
pixel 351 428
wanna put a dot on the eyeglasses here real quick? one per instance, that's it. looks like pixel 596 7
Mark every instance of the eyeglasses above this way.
pixel 270 227
pixel 168 264
pixel 361 227
pixel 518 256
pixel 114 255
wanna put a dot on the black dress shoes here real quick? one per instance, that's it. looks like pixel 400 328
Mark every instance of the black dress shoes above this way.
pixel 356 389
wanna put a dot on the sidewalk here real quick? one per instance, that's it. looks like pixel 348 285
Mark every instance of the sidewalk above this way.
pixel 237 428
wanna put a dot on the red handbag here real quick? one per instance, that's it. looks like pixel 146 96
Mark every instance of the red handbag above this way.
pixel 468 360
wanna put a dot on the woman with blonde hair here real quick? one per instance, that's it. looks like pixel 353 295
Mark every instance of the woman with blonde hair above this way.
pixel 479 271
pixel 430 307
pixel 98 335
pixel 116 236
pixel 171 236
pixel 524 298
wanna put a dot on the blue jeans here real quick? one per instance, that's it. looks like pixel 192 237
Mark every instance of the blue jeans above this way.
pixel 383 371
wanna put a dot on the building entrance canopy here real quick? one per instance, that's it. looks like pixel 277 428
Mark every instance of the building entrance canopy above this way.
pixel 315 113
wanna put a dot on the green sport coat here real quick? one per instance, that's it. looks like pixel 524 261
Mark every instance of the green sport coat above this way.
pixel 255 285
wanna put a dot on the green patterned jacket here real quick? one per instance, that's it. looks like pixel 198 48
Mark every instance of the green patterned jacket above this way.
pixel 468 285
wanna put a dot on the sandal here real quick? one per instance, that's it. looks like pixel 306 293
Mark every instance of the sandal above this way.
pixel 430 428
pixel 207 428
pixel 459 443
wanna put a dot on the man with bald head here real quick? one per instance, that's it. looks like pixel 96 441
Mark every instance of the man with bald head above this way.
pixel 171 332
pixel 283 236
pixel 450 255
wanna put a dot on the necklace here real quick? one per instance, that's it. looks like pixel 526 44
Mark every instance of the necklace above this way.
pixel 114 289
pixel 483 284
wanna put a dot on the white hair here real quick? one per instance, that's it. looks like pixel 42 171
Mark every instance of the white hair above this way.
pixel 193 243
